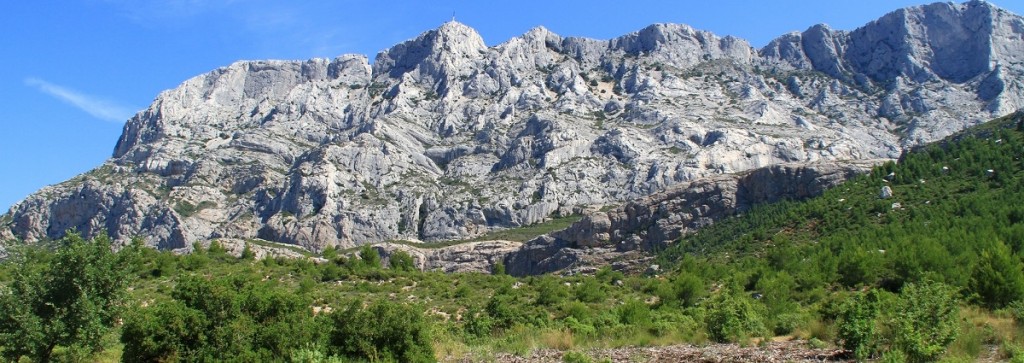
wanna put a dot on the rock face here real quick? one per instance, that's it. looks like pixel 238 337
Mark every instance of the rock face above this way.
pixel 466 257
pixel 443 137
pixel 620 236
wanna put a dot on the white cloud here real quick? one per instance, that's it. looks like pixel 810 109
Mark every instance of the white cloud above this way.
pixel 96 107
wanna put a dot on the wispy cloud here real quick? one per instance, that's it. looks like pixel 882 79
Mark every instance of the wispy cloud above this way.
pixel 98 108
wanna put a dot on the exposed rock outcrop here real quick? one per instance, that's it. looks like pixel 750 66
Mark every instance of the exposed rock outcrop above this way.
pixel 445 138
pixel 466 257
pixel 620 236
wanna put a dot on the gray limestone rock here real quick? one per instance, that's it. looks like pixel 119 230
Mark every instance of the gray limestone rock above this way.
pixel 443 137
pixel 652 222
pixel 885 192
pixel 467 257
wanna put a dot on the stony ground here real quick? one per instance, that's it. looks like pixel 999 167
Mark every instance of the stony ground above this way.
pixel 789 351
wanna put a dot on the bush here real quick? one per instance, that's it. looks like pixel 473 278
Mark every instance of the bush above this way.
pixel 1016 310
pixel 311 355
pixel 916 326
pixel 502 308
pixel 689 289
pixel 229 319
pixel 247 253
pixel 998 278
pixel 384 331
pixel 579 328
pixel 925 321
pixel 69 298
pixel 858 326
pixel 329 253
pixel 609 276
pixel 733 317
pixel 590 291
pixel 477 324
pixel 369 257
pixel 550 290
pixel 401 261
pixel 576 357
pixel 165 332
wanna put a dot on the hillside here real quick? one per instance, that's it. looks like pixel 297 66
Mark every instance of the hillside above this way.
pixel 932 271
pixel 952 203
pixel 445 138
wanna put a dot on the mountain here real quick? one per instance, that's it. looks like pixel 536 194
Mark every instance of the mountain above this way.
pixel 444 138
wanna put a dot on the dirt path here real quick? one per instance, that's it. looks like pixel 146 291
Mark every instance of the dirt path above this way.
pixel 789 351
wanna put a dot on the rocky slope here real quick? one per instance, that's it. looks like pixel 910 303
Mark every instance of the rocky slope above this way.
pixel 623 236
pixel 443 137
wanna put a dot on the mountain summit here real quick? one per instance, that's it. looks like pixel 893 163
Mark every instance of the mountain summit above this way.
pixel 445 138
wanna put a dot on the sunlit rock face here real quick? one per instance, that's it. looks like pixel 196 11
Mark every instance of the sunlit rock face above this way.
pixel 444 137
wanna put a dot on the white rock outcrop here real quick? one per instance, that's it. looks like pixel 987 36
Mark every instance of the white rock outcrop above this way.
pixel 443 137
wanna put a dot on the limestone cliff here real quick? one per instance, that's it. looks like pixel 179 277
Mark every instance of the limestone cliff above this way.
pixel 444 137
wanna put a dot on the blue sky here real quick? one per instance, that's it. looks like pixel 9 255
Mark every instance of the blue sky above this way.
pixel 73 71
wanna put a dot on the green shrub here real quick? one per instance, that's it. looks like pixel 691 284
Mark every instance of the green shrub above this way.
pixel 590 290
pixel 228 319
pixel 503 309
pixel 925 321
pixel 550 290
pixel 1016 310
pixel 578 328
pixel 688 289
pixel 609 276
pixel 165 332
pixel 69 298
pixel 312 355
pixel 247 253
pixel 858 324
pixel 369 257
pixel 998 278
pixel 573 356
pixel 401 261
pixel 916 326
pixel 733 317
pixel 384 331
pixel 634 312
pixel 477 324
pixel 329 253
pixel 783 324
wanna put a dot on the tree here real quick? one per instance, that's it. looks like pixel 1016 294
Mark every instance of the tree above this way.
pixel 247 253
pixel 858 325
pixel 382 332
pixel 499 268
pixel 928 320
pixel 369 257
pixel 166 331
pixel 590 290
pixel 689 289
pixel 998 278
pixel 550 291
pixel 733 317
pixel 401 261
pixel 227 319
pixel 67 298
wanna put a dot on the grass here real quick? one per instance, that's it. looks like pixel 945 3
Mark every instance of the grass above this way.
pixel 293 248
pixel 523 234
pixel 186 209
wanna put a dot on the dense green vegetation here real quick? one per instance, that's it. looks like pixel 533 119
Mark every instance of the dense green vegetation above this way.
pixel 937 276
pixel 954 221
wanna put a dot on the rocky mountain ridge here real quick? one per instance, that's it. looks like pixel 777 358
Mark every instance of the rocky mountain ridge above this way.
pixel 443 137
